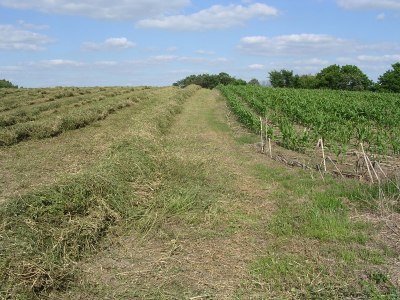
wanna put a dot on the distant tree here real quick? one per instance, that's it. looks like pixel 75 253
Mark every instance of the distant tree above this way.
pixel 347 77
pixel 390 80
pixel 209 81
pixel 282 78
pixel 353 79
pixel 254 81
pixel 7 84
pixel 329 77
pixel 307 82
pixel 276 79
pixel 224 78
pixel 239 82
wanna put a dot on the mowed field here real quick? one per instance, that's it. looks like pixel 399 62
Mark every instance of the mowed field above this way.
pixel 161 193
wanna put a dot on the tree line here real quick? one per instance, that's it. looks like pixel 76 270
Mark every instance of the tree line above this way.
pixel 7 84
pixel 209 81
pixel 348 77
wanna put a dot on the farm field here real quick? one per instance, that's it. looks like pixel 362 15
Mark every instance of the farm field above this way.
pixel 160 193
pixel 298 119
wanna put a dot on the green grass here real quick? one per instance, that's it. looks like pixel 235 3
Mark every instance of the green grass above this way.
pixel 318 249
pixel 217 124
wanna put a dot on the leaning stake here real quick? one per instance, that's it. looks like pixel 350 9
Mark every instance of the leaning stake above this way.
pixel 366 163
pixel 323 154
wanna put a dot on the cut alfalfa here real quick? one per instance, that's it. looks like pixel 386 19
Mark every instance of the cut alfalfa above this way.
pixel 45 232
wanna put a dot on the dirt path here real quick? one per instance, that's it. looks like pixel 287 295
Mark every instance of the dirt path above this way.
pixel 204 254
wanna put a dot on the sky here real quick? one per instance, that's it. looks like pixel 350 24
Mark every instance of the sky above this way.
pixel 46 43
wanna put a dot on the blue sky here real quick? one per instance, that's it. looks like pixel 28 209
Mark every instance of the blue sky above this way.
pixel 46 43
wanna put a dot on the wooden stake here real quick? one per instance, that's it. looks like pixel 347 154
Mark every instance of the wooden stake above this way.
pixel 337 169
pixel 379 166
pixel 262 138
pixel 266 132
pixel 366 162
pixel 323 154
pixel 269 147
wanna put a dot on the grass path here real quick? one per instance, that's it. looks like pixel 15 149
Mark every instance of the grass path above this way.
pixel 203 250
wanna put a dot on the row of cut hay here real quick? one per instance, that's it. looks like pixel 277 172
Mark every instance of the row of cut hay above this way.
pixel 44 233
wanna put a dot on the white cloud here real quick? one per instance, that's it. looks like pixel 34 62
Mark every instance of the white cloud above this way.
pixel 167 58
pixel 106 63
pixel 203 60
pixel 58 63
pixel 383 58
pixel 294 44
pixel 163 58
pixel 378 47
pixel 114 43
pixel 312 61
pixel 30 26
pixel 256 67
pixel 101 9
pixel 13 38
pixel 205 52
pixel 150 70
pixel 369 4
pixel 308 53
pixel 172 49
pixel 215 17
pixel 381 17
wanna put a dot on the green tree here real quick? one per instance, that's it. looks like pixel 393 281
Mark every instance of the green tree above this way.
pixel 7 84
pixel 307 82
pixel 283 78
pixel 353 79
pixel 390 80
pixel 209 81
pixel 329 77
pixel 347 77
pixel 254 81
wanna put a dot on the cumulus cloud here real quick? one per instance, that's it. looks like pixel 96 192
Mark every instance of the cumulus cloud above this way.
pixel 205 52
pixel 30 26
pixel 13 38
pixel 101 9
pixel 58 63
pixel 294 44
pixel 256 67
pixel 381 17
pixel 203 60
pixel 379 58
pixel 163 58
pixel 215 17
pixel 166 58
pixel 312 61
pixel 149 70
pixel 369 4
pixel 114 43
pixel 310 52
